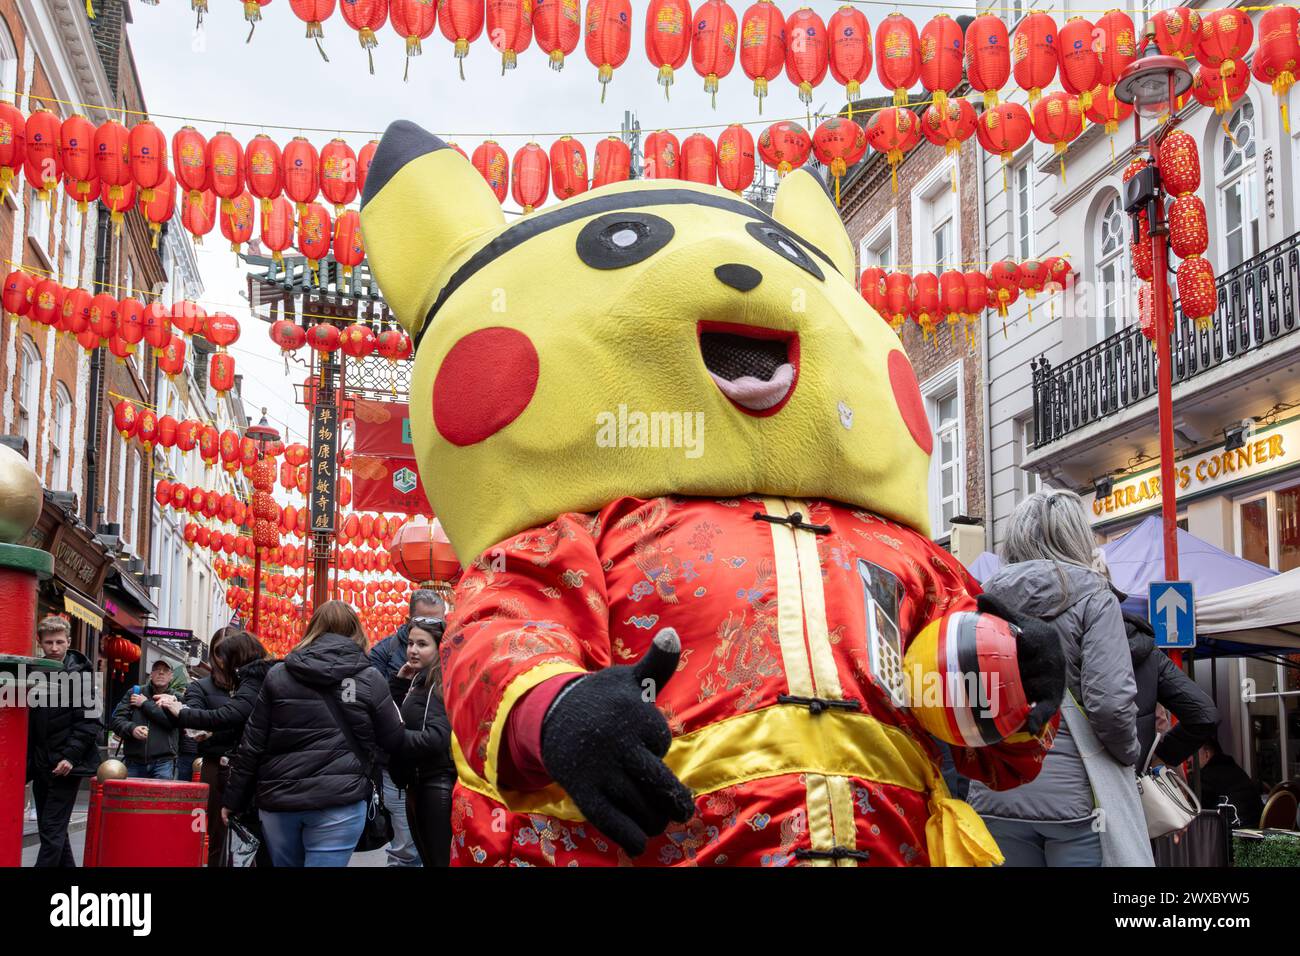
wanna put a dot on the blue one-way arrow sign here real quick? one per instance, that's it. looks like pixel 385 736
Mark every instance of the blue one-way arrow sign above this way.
pixel 1172 612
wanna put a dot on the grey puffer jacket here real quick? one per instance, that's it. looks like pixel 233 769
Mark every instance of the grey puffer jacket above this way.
pixel 1098 672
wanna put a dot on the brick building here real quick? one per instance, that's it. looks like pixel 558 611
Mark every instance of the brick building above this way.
pixel 932 222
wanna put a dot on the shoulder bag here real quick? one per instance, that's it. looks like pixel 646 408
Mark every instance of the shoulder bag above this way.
pixel 1167 801
pixel 378 831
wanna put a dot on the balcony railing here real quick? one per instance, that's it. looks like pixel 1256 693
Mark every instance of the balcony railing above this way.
pixel 1258 303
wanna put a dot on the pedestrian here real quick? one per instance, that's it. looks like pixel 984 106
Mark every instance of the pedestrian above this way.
pixel 424 765
pixel 150 740
pixel 1224 782
pixel 1050 571
pixel 215 710
pixel 388 656
pixel 1161 684
pixel 62 739
pixel 187 747
pixel 314 785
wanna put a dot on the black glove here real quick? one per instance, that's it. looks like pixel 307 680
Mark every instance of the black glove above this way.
pixel 1041 660
pixel 602 741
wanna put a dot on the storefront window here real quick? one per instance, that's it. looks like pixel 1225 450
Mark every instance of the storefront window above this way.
pixel 1288 528
pixel 1254 531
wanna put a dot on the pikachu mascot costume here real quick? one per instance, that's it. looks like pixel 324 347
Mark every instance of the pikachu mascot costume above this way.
pixel 684 466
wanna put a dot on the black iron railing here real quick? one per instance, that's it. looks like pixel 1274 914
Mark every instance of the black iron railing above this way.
pixel 1258 303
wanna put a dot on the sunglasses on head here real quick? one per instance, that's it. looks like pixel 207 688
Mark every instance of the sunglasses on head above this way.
pixel 428 624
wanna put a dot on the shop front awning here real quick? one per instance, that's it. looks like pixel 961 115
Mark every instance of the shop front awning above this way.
pixel 84 609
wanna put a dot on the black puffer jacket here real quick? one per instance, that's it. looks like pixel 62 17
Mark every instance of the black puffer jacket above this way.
pixel 56 733
pixel 1160 682
pixel 163 742
pixel 426 749
pixel 222 713
pixel 294 755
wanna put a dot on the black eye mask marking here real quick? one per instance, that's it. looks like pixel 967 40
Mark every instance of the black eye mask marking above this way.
pixel 784 245
pixel 621 239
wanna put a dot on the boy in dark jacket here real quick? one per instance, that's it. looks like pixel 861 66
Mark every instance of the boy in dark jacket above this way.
pixel 149 735
pixel 62 742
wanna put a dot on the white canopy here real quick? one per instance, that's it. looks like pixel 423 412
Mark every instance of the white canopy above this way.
pixel 1265 612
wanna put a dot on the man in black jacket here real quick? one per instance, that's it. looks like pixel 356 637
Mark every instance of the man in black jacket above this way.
pixel 387 657
pixel 149 736
pixel 1222 780
pixel 62 740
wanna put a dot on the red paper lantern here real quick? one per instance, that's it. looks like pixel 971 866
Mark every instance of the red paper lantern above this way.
pixel 612 162
pixel 103 316
pixel 395 345
pixel 713 43
pixel 190 161
pixel 349 250
pixel 338 173
pixel 898 56
pixel 187 434
pixel 568 167
pixel 47 303
pixel 1118 46
pixel 509 29
pixel 951 126
pixel 1224 37
pixel 1189 233
pixel 421 553
pixel 1176 31
pixel 147 430
pixel 118 207
pixel 1108 110
pixel 849 50
pixel 1276 60
pixel 77 141
pixel 148 152
pixel 301 165
pixel 977 290
pixel 608 37
pixel 1058 120
pixel 13 143
pixel 1219 87
pixel 838 144
pixel 366 17
pixel 209 444
pixel 159 210
pixel 276 230
pixel 41 163
pixel 221 330
pixel 1080 63
pixel 898 299
pixel 1197 294
pixel 314 232
pixel 199 215
pixel 126 418
pixel 762 46
pixel 925 301
pixel 807 51
pixel 872 285
pixel 157 325
pixel 1034 55
pixel 494 166
pixel 414 20
pixel 83 199
pixel 667 37
pixel 75 311
pixel 662 156
pixel 323 337
pixel 530 176
pixel 557 25
pixel 784 146
pixel 314 13
pixel 1179 163
pixel 237 222
pixel 736 158
pixel 162 494
pixel 225 168
pixel 461 22
pixel 288 335
pixel 952 297
pixel 130 320
pixel 18 293
pixel 942 46
pixel 699 160
pixel 221 372
pixel 893 131
pixel 171 360
pixel 988 56
pixel 357 341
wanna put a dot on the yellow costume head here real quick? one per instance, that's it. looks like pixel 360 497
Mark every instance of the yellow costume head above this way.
pixel 644 338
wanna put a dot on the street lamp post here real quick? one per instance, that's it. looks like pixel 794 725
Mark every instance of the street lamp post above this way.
pixel 1153 84
pixel 262 434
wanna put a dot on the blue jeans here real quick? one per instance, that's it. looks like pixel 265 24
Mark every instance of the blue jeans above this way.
pixel 1029 843
pixel 313 837
pixel 402 851
pixel 164 769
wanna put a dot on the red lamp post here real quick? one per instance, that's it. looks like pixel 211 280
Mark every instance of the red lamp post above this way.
pixel 263 435
pixel 1154 85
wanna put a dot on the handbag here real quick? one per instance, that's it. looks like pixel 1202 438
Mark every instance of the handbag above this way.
pixel 241 845
pixel 1167 801
pixel 378 830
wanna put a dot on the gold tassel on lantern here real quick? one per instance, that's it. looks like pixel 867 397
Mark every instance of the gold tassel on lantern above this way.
pixel 368 41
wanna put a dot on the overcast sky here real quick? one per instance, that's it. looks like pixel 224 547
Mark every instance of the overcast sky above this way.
pixel 216 80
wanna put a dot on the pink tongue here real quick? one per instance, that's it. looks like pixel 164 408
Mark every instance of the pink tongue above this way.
pixel 755 394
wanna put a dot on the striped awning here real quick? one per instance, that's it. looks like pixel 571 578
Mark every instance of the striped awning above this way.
pixel 84 609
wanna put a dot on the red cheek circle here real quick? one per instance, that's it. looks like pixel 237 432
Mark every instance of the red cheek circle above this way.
pixel 908 396
pixel 485 382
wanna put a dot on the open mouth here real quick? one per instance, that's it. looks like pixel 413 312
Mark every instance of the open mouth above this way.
pixel 756 368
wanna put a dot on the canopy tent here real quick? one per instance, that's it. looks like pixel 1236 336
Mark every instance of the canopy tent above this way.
pixel 982 568
pixel 1265 613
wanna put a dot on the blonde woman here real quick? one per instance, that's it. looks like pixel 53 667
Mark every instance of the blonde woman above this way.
pixel 311 786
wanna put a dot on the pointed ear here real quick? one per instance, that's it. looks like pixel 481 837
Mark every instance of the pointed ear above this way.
pixel 804 204
pixel 423 203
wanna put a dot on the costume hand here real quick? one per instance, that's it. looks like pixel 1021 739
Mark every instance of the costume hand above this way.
pixel 1041 660
pixel 603 740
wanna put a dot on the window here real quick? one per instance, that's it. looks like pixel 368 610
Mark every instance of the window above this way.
pixel 943 405
pixel 936 220
pixel 1112 269
pixel 72 243
pixel 1027 482
pixel 8 62
pixel 119 509
pixel 879 246
pixel 38 221
pixel 131 490
pixel 29 394
pixel 1237 206
pixel 1022 239
pixel 943 235
pixel 59 439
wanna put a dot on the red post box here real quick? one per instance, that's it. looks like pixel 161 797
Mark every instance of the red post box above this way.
pixel 138 822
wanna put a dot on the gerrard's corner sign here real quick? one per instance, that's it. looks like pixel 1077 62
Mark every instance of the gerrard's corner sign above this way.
pixel 1269 449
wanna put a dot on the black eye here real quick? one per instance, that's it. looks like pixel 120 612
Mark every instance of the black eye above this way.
pixel 621 239
pixel 784 245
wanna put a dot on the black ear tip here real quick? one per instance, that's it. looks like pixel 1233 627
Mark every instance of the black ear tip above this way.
pixel 402 142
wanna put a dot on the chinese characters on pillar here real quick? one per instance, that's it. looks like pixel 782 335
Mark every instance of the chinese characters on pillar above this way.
pixel 324 465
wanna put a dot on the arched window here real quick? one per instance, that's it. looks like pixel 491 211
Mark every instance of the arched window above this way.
pixel 60 438
pixel 29 393
pixel 1238 208
pixel 1113 311
pixel 8 62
